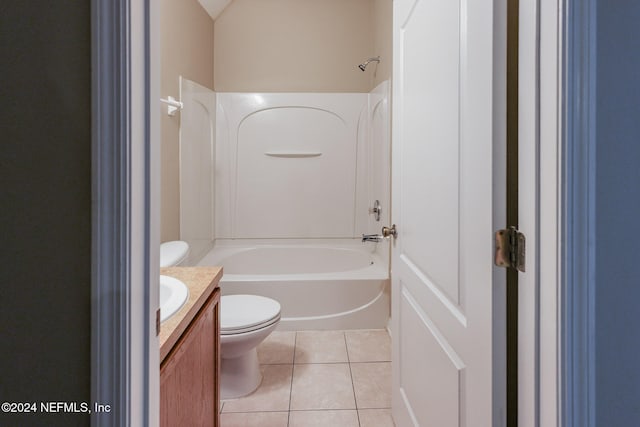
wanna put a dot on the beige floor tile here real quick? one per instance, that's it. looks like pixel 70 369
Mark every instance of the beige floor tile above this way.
pixel 254 419
pixel 369 345
pixel 272 395
pixel 323 419
pixel 372 384
pixel 375 418
pixel 322 386
pixel 277 348
pixel 320 347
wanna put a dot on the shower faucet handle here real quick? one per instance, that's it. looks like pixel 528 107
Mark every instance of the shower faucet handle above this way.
pixel 376 210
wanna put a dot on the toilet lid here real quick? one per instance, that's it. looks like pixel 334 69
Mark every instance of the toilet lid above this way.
pixel 172 253
pixel 244 313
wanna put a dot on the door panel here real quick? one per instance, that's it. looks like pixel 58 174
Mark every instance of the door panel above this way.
pixel 432 118
pixel 437 406
pixel 448 197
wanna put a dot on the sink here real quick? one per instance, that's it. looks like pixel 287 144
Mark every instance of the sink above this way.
pixel 173 295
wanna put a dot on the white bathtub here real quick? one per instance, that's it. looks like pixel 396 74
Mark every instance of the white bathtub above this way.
pixel 333 284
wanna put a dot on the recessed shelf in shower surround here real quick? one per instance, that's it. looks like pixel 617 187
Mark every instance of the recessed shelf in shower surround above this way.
pixel 292 154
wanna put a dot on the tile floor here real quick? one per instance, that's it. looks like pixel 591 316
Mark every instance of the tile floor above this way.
pixel 319 378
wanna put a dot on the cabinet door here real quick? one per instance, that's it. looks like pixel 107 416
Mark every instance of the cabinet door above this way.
pixel 189 375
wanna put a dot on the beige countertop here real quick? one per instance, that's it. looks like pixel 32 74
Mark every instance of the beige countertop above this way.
pixel 201 281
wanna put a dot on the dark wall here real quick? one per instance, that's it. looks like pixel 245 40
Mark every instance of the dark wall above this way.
pixel 618 214
pixel 45 206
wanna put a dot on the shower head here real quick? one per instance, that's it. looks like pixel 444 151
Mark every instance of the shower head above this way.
pixel 363 66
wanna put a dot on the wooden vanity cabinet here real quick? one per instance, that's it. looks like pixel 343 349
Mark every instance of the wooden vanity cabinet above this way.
pixel 189 375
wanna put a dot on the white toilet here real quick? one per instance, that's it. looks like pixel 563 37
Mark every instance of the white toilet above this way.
pixel 173 253
pixel 245 321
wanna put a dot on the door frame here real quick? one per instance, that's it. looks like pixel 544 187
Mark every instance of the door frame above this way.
pixel 539 140
pixel 125 213
pixel 557 385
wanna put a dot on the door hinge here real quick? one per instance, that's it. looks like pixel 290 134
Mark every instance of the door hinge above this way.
pixel 157 322
pixel 510 249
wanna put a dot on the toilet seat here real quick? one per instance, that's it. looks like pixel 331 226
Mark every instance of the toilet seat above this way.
pixel 173 253
pixel 246 313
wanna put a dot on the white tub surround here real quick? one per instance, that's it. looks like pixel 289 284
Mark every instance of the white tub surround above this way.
pixel 288 165
pixel 197 163
pixel 281 165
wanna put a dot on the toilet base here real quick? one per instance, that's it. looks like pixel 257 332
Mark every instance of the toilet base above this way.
pixel 240 375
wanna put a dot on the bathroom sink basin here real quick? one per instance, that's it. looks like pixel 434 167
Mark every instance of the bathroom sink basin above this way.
pixel 173 295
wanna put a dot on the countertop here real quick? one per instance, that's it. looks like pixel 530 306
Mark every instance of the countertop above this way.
pixel 201 281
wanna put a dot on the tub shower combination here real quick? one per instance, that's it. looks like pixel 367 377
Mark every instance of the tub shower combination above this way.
pixel 285 197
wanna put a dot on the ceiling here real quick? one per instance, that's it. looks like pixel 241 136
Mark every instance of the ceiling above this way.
pixel 214 7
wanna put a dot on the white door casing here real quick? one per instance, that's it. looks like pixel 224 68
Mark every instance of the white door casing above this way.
pixel 448 175
pixel 125 210
pixel 539 172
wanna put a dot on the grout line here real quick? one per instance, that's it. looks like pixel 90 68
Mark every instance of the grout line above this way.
pixel 293 368
pixel 328 410
pixel 344 362
pixel 278 364
pixel 259 411
pixel 353 386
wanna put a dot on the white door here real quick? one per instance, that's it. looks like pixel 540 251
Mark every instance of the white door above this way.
pixel 448 176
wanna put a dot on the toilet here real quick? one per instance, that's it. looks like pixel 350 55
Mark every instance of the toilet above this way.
pixel 245 321
pixel 173 253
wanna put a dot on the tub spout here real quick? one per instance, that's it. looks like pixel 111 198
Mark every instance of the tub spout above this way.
pixel 372 238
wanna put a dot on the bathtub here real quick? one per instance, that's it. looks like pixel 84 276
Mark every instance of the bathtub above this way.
pixel 334 284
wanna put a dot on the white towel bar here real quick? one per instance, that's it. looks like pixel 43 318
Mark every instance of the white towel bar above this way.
pixel 173 105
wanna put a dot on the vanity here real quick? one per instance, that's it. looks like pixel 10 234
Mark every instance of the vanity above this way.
pixel 190 352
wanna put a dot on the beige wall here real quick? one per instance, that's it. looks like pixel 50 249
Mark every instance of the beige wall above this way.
pixel 383 39
pixel 294 45
pixel 187 50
